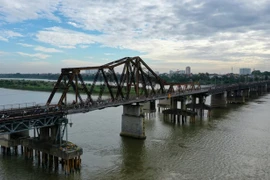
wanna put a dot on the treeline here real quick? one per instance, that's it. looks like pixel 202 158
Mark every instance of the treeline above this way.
pixel 49 76
pixel 27 85
pixel 203 78
pixel 206 78
pixel 35 85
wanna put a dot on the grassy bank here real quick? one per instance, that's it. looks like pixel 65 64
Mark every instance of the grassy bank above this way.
pixel 33 85
pixel 43 86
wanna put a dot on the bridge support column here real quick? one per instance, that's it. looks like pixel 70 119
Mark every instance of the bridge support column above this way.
pixel 44 133
pixel 173 106
pixel 254 92
pixel 201 103
pixel 132 122
pixel 153 106
pixel 267 87
pixel 194 99
pixel 183 107
pixel 12 140
pixel 245 95
pixel 259 90
pixel 218 100
pixel 149 108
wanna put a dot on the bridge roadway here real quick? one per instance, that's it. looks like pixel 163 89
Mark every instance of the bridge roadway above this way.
pixel 37 116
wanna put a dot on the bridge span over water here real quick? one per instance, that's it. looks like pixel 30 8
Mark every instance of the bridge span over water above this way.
pixel 137 84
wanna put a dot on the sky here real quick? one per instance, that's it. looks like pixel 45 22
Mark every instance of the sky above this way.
pixel 214 36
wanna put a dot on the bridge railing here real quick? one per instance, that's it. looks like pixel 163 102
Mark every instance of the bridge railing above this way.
pixel 7 107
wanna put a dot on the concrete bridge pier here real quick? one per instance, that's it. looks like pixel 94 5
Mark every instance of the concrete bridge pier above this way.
pixel 201 103
pixel 267 87
pixel 245 95
pixel 183 107
pixel 132 122
pixel 10 142
pixel 193 102
pixel 49 145
pixel 254 92
pixel 238 96
pixel 149 108
pixel 164 104
pixel 173 106
pixel 218 100
pixel 264 88
pixel 260 90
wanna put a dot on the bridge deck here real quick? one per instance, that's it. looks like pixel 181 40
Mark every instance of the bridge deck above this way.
pixel 18 119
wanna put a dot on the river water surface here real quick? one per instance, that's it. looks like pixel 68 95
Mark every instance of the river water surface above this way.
pixel 233 144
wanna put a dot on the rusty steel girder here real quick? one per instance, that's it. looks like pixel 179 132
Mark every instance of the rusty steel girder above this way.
pixel 136 79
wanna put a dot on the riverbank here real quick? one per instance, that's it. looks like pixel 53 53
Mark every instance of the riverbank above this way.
pixel 27 85
pixel 32 85
pixel 43 85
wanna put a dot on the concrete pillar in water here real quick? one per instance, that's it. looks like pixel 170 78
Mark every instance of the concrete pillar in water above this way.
pixel 173 106
pixel 54 133
pixel 38 157
pixel 201 102
pixel 183 107
pixel 56 160
pixel 15 148
pixel 218 100
pixel 259 90
pixel 50 161
pixel 149 107
pixel 194 98
pixel 21 149
pixel 132 122
pixel 254 92
pixel 153 105
pixel 267 87
pixel 245 95
pixel 44 134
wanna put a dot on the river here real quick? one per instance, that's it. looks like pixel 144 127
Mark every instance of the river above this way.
pixel 233 144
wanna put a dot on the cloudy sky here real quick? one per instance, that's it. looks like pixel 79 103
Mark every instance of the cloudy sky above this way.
pixel 209 35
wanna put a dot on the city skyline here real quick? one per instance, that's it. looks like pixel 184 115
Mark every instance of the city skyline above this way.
pixel 209 36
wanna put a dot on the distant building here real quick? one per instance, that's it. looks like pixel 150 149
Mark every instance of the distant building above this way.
pixel 244 71
pixel 181 71
pixel 91 71
pixel 188 70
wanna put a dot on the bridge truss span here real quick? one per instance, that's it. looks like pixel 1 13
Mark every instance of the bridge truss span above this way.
pixel 125 79
pixel 25 123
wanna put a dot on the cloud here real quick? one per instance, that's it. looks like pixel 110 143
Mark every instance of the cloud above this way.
pixel 83 46
pixel 78 63
pixel 36 55
pixel 7 34
pixel 48 50
pixel 221 33
pixel 21 10
pixel 73 24
pixel 109 54
pixel 3 39
pixel 2 53
pixel 25 45
pixel 64 38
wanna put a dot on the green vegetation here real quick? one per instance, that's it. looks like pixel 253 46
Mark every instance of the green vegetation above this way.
pixel 202 78
pixel 27 85
pixel 33 85
pixel 49 76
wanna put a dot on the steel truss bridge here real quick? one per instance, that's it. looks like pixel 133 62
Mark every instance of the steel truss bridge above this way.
pixel 136 83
